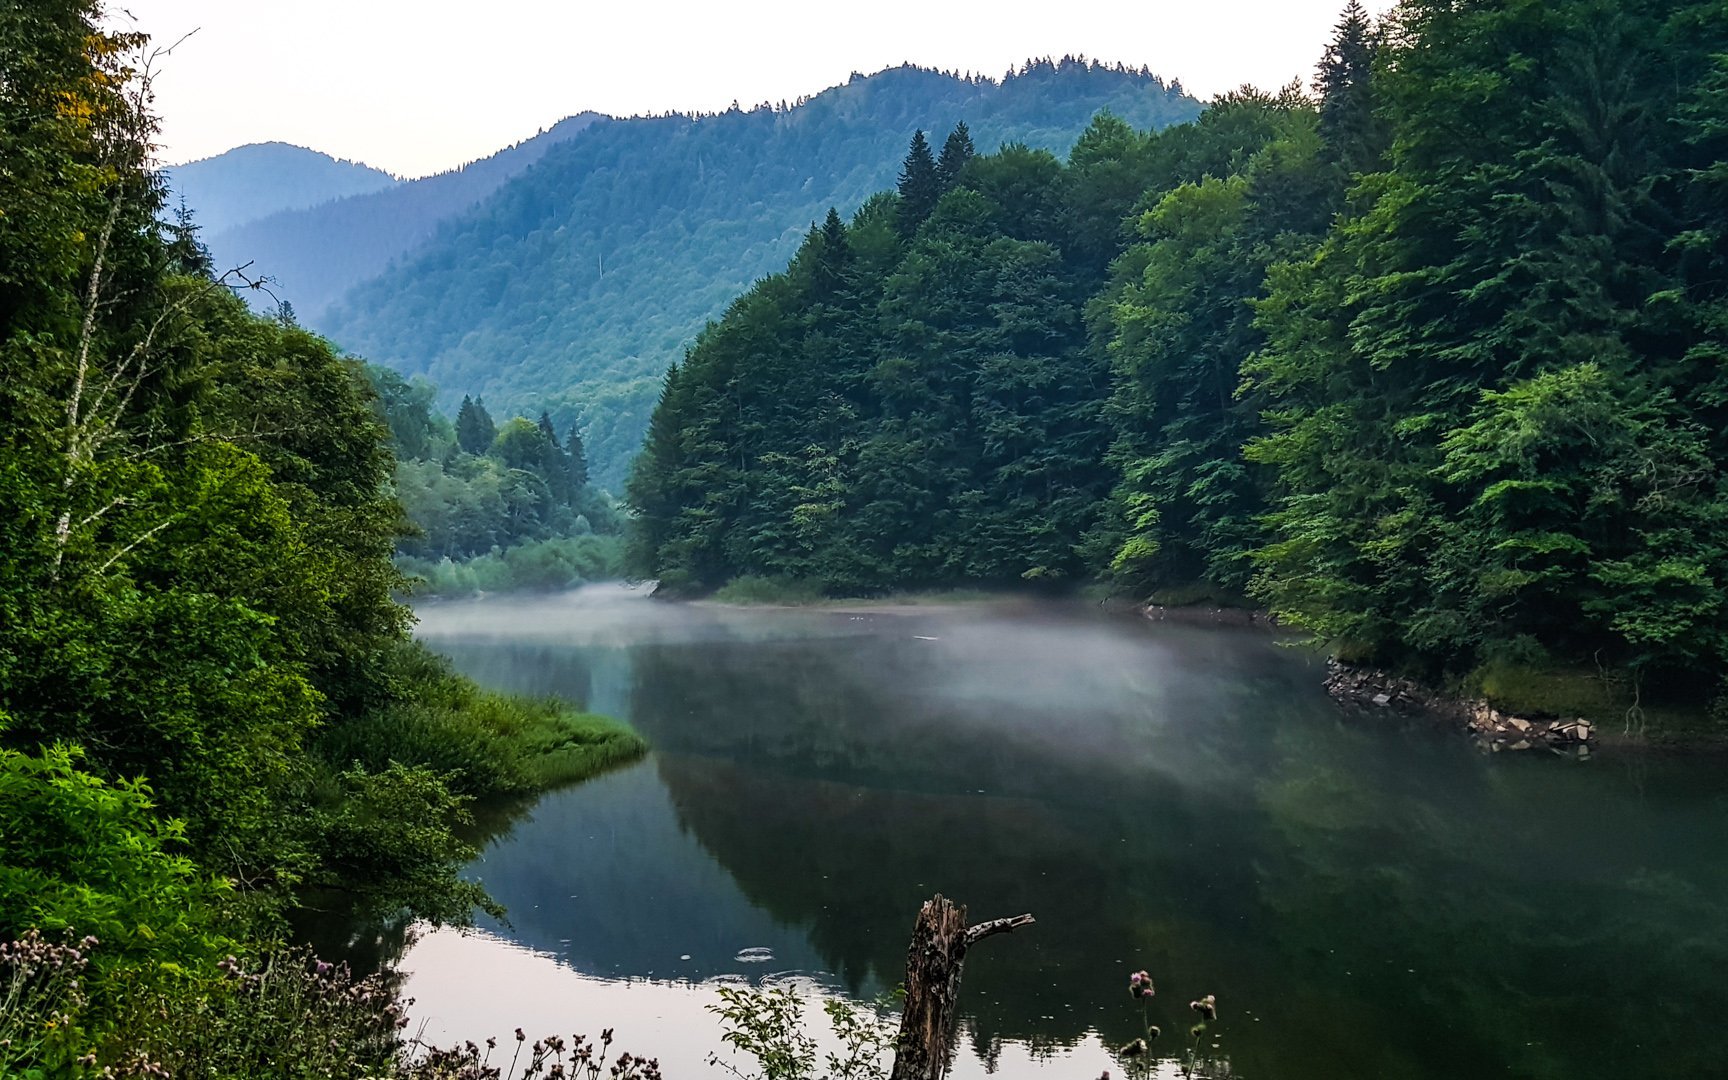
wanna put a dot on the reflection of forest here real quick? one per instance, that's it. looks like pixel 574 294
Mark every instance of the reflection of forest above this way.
pixel 1365 903
pixel 1384 899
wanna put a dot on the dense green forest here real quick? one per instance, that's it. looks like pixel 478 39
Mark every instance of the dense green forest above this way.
pixel 315 254
pixel 209 702
pixel 492 507
pixel 1428 361
pixel 572 287
pixel 260 179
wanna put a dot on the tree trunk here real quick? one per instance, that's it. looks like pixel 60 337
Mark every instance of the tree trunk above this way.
pixel 940 939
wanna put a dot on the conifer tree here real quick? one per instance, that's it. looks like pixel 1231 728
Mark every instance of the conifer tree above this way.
pixel 186 251
pixel 577 456
pixel 828 244
pixel 1348 128
pixel 474 427
pixel 956 152
pixel 919 187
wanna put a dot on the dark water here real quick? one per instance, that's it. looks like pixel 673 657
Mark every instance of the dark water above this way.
pixel 1365 901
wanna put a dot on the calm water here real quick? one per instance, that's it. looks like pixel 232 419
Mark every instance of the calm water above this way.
pixel 1364 901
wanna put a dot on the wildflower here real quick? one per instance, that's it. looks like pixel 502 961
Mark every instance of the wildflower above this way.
pixel 1140 985
pixel 1206 1006
pixel 520 1037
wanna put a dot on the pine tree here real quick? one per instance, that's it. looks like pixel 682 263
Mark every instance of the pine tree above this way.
pixel 828 244
pixel 919 187
pixel 186 252
pixel 577 455
pixel 474 427
pixel 956 152
pixel 547 430
pixel 1348 128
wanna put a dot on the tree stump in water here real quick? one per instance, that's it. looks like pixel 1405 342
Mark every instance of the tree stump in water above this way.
pixel 940 939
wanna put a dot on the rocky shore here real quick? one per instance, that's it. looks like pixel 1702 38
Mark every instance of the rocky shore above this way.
pixel 1361 689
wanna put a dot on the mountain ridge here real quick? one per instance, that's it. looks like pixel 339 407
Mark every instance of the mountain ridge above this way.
pixel 254 180
pixel 576 284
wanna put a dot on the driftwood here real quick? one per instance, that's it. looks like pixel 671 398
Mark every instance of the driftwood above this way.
pixel 940 939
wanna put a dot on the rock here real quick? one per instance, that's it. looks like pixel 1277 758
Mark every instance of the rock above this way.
pixel 1521 744
pixel 1518 722
pixel 1583 731
pixel 1382 700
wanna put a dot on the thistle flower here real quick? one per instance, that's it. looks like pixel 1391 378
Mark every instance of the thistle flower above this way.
pixel 1206 1006
pixel 1140 985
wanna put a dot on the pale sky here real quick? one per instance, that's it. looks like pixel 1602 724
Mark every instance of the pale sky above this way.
pixel 416 87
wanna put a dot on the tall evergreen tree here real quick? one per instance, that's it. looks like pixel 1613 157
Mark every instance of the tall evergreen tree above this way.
pixel 957 150
pixel 919 186
pixel 186 251
pixel 577 456
pixel 1352 135
pixel 474 427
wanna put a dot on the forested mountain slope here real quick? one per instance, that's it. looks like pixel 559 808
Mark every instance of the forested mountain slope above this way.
pixel 259 179
pixel 1431 363
pixel 313 254
pixel 576 285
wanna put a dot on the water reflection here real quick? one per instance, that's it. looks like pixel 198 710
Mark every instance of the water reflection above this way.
pixel 1364 903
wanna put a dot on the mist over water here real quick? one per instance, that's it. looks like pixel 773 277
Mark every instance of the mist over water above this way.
pixel 1365 900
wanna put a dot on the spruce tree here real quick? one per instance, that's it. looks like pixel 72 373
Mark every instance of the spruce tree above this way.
pixel 1348 128
pixel 956 152
pixel 828 269
pixel 577 455
pixel 474 427
pixel 919 187
pixel 186 251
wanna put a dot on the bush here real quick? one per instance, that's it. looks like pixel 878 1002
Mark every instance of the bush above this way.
pixel 542 565
pixel 754 589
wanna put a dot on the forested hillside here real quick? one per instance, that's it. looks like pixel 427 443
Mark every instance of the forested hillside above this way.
pixel 492 507
pixel 259 179
pixel 314 255
pixel 1429 361
pixel 575 286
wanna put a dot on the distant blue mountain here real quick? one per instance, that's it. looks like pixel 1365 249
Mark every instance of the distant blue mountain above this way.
pixel 259 179
pixel 316 253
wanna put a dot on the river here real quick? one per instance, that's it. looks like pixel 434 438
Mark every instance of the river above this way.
pixel 1366 900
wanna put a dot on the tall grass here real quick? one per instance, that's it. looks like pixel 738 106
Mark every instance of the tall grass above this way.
pixel 484 744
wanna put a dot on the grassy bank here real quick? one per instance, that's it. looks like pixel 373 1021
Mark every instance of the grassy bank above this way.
pixel 754 590
pixel 483 743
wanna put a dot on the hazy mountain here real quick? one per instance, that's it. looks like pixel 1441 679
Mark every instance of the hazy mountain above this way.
pixel 259 179
pixel 315 253
pixel 574 285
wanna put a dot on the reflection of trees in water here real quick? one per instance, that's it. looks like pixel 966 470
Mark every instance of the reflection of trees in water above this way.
pixel 1296 867
pixel 1498 917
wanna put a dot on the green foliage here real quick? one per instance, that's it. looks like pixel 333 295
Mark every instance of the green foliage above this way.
pixel 386 839
pixel 81 855
pixel 481 744
pixel 572 287
pixel 1430 361
pixel 768 1025
pixel 752 589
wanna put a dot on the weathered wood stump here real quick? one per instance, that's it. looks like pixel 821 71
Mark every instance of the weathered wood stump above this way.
pixel 940 939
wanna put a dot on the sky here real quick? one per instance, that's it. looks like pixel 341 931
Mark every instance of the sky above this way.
pixel 418 87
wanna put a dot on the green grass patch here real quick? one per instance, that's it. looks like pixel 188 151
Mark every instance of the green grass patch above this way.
pixel 484 744
pixel 1200 594
pixel 777 591
pixel 1536 690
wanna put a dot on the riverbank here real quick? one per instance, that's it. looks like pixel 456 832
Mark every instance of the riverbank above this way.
pixel 1503 722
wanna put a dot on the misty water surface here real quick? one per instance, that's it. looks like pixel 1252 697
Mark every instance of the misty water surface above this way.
pixel 1364 900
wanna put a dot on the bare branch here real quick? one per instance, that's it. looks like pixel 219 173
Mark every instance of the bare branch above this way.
pixel 123 552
